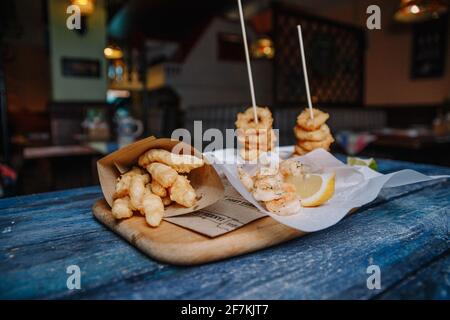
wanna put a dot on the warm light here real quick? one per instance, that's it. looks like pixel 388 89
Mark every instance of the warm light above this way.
pixel 414 9
pixel 420 10
pixel 263 48
pixel 112 53
pixel 86 6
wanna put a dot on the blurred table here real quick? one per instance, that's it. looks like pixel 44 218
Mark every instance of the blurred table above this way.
pixel 408 145
pixel 404 232
pixel 410 139
pixel 48 167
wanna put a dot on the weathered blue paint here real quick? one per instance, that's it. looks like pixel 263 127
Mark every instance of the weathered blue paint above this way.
pixel 405 232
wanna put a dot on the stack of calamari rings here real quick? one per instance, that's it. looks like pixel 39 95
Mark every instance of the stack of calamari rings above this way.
pixel 255 137
pixel 312 133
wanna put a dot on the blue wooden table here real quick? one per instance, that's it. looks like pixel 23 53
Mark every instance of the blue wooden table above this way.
pixel 405 232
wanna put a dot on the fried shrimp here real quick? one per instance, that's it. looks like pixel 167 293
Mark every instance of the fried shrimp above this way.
pixel 182 192
pixel 317 135
pixel 246 179
pixel 181 163
pixel 267 188
pixel 162 173
pixel 287 204
pixel 158 189
pixel 152 208
pixel 304 119
pixel 121 208
pixel 291 168
pixel 246 119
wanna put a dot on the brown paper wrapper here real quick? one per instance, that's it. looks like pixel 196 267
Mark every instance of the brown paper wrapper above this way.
pixel 204 180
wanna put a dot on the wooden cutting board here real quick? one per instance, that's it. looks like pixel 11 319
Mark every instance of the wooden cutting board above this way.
pixel 172 244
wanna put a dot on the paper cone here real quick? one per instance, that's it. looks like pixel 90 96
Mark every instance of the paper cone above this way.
pixel 204 180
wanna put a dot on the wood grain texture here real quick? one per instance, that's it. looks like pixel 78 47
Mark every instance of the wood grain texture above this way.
pixel 404 231
pixel 172 244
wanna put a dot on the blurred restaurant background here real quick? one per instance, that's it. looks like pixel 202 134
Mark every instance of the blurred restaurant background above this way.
pixel 138 68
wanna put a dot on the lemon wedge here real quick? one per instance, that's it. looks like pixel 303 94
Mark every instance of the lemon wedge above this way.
pixel 354 161
pixel 314 189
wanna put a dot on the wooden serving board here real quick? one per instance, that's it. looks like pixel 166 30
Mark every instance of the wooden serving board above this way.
pixel 172 244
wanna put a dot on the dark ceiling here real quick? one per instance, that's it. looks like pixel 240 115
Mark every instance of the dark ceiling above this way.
pixel 165 19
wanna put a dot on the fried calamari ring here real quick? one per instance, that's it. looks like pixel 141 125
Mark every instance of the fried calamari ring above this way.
pixel 299 151
pixel 256 138
pixel 317 135
pixel 249 154
pixel 246 119
pixel 311 145
pixel 304 119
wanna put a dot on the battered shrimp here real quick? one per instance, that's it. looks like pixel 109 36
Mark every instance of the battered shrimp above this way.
pixel 181 163
pixel 158 189
pixel 182 192
pixel 286 205
pixel 246 179
pixel 121 208
pixel 162 173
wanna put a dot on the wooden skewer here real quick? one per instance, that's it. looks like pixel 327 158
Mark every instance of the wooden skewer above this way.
pixel 247 57
pixel 305 72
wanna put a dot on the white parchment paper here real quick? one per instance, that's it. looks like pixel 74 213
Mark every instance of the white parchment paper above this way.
pixel 355 186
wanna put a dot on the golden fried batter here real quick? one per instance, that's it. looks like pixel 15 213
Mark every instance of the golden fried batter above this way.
pixel 162 173
pixel 299 151
pixel 249 154
pixel 166 201
pixel 182 192
pixel 158 189
pixel 311 145
pixel 137 190
pixel 304 119
pixel 317 135
pixel 246 119
pixel 152 208
pixel 183 163
pixel 123 182
pixel 121 208
pixel 256 138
